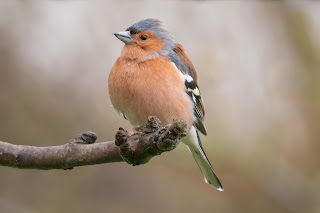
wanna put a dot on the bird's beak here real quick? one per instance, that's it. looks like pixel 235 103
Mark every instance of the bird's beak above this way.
pixel 124 36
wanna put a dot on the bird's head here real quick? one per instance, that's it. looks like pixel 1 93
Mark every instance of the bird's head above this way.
pixel 145 39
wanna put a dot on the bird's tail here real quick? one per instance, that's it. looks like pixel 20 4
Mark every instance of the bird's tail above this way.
pixel 193 142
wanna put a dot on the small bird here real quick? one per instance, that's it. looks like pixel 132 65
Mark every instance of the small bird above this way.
pixel 154 77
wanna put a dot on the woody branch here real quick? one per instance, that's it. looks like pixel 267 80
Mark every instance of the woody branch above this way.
pixel 135 147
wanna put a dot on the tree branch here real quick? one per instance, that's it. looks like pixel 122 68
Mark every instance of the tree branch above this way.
pixel 136 147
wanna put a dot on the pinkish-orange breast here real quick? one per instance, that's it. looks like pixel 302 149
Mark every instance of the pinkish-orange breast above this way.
pixel 153 87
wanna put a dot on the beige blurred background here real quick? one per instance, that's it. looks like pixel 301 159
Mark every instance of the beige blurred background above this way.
pixel 258 64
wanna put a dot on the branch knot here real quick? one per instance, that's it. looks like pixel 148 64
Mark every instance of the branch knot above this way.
pixel 140 145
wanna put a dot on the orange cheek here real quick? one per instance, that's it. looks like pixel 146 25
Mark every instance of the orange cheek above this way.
pixel 141 49
pixel 152 45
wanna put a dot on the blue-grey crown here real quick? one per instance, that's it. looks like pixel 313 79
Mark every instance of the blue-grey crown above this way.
pixel 147 25
pixel 156 27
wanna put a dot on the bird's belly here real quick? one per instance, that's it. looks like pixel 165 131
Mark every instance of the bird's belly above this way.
pixel 151 88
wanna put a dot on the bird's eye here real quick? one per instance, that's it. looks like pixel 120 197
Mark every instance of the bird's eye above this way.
pixel 143 37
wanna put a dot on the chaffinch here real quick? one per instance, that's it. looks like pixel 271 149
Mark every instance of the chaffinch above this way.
pixel 154 77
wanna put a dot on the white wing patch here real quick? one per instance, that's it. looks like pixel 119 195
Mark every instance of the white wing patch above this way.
pixel 193 93
pixel 184 77
pixel 188 78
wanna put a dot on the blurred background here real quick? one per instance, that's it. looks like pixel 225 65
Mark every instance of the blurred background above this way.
pixel 258 64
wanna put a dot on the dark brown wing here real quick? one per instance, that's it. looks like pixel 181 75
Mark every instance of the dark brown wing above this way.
pixel 186 67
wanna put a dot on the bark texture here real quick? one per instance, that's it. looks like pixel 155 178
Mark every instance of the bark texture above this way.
pixel 135 147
